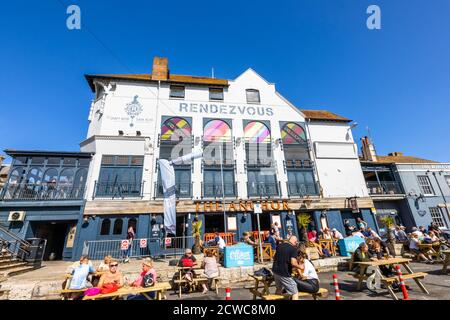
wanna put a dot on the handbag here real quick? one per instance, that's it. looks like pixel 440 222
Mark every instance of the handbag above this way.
pixel 92 291
pixel 148 280
pixel 109 288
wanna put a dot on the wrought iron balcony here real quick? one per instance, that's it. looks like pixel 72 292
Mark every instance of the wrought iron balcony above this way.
pixel 214 190
pixel 118 189
pixel 383 188
pixel 182 190
pixel 258 189
pixel 302 189
pixel 42 192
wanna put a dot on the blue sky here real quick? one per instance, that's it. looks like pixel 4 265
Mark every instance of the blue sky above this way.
pixel 319 53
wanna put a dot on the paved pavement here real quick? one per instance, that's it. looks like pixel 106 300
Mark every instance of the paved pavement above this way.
pixel 436 283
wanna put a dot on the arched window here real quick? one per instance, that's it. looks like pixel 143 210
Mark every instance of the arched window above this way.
pixel 174 129
pixel 16 176
pixel 118 225
pixel 132 223
pixel 66 177
pixel 80 178
pixel 217 130
pixel 256 132
pixel 292 133
pixel 34 176
pixel 106 225
pixel 51 175
pixel 253 96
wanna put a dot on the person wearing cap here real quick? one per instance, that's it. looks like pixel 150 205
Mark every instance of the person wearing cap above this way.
pixel 147 268
pixel 336 234
pixel 400 234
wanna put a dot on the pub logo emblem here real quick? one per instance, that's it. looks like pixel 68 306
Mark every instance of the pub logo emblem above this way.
pixel 133 109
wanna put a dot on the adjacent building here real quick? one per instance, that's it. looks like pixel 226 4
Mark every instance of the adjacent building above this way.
pixel 415 191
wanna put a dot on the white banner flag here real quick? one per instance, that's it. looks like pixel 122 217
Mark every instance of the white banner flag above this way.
pixel 168 184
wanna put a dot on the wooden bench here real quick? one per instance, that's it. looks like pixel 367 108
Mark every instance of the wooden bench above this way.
pixel 159 288
pixel 416 275
pixel 67 292
pixel 321 293
pixel 196 281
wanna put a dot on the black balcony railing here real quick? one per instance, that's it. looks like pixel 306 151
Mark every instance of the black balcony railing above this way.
pixel 118 190
pixel 258 189
pixel 214 190
pixel 182 190
pixel 301 189
pixel 384 187
pixel 42 192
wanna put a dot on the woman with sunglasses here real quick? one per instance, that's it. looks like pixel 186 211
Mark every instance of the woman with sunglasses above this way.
pixel 112 276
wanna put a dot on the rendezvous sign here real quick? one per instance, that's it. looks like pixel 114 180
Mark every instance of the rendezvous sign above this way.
pixel 240 255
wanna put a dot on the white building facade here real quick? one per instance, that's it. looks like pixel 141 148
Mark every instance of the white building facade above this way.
pixel 258 148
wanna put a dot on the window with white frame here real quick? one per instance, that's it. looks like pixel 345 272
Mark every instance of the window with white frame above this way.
pixel 253 96
pixel 447 179
pixel 425 185
pixel 176 92
pixel 436 217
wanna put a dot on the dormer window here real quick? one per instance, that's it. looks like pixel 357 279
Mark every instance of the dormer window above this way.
pixel 253 96
pixel 177 92
pixel 216 94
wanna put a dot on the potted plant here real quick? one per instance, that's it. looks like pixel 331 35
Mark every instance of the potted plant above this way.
pixel 389 222
pixel 196 232
pixel 303 221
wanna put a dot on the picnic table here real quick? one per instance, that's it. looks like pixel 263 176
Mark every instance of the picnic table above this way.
pixel 195 281
pixel 68 277
pixel 388 281
pixel 266 283
pixel 446 260
pixel 159 288
pixel 430 249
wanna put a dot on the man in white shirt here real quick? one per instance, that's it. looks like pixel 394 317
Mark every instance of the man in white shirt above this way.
pixel 220 242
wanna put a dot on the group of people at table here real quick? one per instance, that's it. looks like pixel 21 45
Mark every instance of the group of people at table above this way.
pixel 108 275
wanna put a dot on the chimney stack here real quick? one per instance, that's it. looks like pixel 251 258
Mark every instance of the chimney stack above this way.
pixel 160 69
pixel 368 150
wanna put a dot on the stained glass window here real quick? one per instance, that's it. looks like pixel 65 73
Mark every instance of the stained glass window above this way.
pixel 174 128
pixel 217 130
pixel 256 132
pixel 292 133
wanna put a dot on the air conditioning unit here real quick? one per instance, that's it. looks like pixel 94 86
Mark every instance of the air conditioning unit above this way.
pixel 16 216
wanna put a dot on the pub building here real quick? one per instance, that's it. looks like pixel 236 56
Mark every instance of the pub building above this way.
pixel 257 148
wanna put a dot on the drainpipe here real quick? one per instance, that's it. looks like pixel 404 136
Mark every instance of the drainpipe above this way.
pixel 311 156
pixel 155 141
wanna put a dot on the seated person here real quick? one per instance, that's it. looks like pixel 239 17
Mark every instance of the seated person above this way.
pixel 365 232
pixel 336 234
pixel 80 274
pixel 362 254
pixel 314 240
pixel 112 276
pixel 270 238
pixel 326 234
pixel 145 279
pixel 414 248
pixel 187 261
pixel 211 269
pixel 378 249
pixel 358 233
pixel 372 233
pixel 306 278
pixel 400 234
pixel 102 268
pixel 104 265
pixel 248 239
